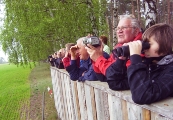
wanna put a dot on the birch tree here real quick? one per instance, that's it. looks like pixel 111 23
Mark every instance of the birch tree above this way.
pixel 150 12
pixel 33 29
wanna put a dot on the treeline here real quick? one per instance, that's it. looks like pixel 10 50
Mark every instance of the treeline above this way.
pixel 35 28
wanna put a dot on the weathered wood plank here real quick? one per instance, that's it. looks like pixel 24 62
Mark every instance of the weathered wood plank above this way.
pixel 82 101
pixel 68 97
pixel 102 107
pixel 114 108
pixel 90 102
pixel 62 94
pixel 75 100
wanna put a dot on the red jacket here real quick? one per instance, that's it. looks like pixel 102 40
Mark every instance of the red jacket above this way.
pixel 101 64
pixel 66 61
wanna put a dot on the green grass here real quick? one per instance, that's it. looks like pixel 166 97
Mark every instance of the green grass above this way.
pixel 40 79
pixel 14 90
pixel 21 92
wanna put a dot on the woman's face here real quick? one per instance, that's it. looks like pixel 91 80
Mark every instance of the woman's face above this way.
pixel 153 50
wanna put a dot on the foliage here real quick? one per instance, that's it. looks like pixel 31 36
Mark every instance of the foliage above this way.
pixel 35 29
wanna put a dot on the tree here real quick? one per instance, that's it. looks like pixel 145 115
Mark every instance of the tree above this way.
pixel 35 29
pixel 150 12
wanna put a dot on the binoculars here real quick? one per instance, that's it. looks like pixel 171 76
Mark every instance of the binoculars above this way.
pixel 124 50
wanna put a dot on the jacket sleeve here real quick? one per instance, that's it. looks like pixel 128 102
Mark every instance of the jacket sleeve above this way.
pixel 144 90
pixel 89 75
pixel 74 71
pixel 98 73
pixel 116 75
pixel 101 64
pixel 66 61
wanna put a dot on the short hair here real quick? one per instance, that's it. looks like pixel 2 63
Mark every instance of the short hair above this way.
pixel 81 40
pixel 68 45
pixel 163 35
pixel 135 23
pixel 104 39
pixel 62 50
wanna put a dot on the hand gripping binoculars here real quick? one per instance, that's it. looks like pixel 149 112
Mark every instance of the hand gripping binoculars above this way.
pixel 124 50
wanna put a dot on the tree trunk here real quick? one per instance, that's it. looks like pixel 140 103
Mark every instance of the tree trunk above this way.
pixel 150 12
pixel 168 3
pixel 92 19
pixel 133 7
pixel 138 9
pixel 115 21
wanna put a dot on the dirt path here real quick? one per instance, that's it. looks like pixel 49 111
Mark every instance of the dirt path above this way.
pixel 40 79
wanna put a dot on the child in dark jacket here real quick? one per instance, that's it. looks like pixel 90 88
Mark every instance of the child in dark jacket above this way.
pixel 151 79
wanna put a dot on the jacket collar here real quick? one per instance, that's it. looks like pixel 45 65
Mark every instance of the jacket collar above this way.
pixel 166 60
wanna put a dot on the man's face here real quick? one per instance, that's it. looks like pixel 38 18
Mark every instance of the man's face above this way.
pixel 82 52
pixel 61 53
pixel 125 31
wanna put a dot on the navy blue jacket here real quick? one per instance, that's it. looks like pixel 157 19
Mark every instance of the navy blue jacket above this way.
pixel 76 72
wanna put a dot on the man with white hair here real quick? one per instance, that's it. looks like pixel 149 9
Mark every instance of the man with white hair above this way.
pixel 85 70
pixel 111 70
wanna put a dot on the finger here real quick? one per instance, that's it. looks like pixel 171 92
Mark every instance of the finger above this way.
pixel 90 46
pixel 87 48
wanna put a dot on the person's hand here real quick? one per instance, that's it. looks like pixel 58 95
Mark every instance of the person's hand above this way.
pixel 94 52
pixel 135 47
pixel 73 52
pixel 83 73
pixel 122 58
pixel 66 53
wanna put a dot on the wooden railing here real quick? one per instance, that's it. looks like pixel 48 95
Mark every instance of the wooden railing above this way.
pixel 93 100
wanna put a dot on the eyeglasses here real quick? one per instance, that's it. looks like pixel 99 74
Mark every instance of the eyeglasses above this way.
pixel 122 28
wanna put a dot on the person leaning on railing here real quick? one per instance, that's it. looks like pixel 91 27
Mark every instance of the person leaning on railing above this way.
pixel 66 60
pixel 85 70
pixel 151 79
pixel 128 29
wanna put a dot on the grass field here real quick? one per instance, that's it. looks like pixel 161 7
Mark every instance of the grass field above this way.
pixel 14 90
pixel 21 92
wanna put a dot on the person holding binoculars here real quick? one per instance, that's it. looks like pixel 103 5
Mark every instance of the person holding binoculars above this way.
pixel 128 29
pixel 149 78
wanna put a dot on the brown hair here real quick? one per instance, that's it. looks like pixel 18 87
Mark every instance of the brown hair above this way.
pixel 68 45
pixel 163 35
pixel 104 39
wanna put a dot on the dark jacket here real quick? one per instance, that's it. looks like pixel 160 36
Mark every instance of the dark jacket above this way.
pixel 116 75
pixel 59 63
pixel 76 72
pixel 152 82
pixel 103 67
pixel 101 64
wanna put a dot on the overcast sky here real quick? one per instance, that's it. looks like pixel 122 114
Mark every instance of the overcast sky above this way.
pixel 2 54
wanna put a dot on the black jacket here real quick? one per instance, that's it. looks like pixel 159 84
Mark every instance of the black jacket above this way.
pixel 150 83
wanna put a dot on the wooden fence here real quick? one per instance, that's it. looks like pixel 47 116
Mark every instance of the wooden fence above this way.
pixel 93 100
